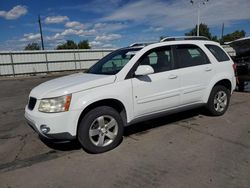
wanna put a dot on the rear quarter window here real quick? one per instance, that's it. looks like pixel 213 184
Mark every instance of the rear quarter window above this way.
pixel 218 53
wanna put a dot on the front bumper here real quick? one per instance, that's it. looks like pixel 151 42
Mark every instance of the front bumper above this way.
pixel 62 125
pixel 53 137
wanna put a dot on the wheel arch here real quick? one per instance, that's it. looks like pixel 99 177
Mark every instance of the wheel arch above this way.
pixel 222 81
pixel 114 103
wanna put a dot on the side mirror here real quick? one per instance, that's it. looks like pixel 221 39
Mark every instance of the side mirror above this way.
pixel 144 70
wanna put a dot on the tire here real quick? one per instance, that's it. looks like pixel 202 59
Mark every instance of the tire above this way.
pixel 241 86
pixel 218 100
pixel 100 130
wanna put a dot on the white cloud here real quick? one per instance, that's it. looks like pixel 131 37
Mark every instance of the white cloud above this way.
pixel 108 46
pixel 74 24
pixel 79 32
pixel 180 15
pixel 108 37
pixel 29 37
pixel 56 19
pixel 100 25
pixel 109 27
pixel 154 29
pixel 14 13
pixel 72 32
pixel 12 44
pixel 90 32
pixel 54 30
pixel 98 44
pixel 95 43
pixel 55 37
pixel 96 6
pixel 69 32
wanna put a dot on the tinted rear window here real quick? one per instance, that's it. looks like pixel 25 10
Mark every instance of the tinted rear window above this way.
pixel 218 53
pixel 189 55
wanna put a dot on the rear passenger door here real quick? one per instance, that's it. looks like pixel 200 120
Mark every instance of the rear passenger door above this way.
pixel 195 72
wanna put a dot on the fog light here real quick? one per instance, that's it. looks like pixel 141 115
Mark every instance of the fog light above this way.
pixel 45 129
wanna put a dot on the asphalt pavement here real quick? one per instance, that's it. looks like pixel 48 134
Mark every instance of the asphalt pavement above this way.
pixel 188 149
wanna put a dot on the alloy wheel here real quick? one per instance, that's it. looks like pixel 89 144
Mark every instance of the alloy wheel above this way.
pixel 220 101
pixel 103 131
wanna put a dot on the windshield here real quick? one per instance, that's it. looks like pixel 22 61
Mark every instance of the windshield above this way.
pixel 113 62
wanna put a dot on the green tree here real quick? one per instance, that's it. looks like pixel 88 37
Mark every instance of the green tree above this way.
pixel 233 36
pixel 32 46
pixel 84 44
pixel 203 31
pixel 69 44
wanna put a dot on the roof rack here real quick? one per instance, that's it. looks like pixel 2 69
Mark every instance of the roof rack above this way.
pixel 184 38
pixel 141 44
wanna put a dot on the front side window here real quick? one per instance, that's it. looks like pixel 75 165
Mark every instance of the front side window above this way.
pixel 218 53
pixel 159 58
pixel 188 55
pixel 113 62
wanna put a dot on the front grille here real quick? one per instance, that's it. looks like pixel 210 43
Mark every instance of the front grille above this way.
pixel 32 103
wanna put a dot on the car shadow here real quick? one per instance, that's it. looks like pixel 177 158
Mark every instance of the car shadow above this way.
pixel 137 128
pixel 62 146
pixel 145 126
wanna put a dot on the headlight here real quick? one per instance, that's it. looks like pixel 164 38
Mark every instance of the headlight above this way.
pixel 57 104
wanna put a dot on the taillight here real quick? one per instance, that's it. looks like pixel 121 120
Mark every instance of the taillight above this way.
pixel 235 72
pixel 234 67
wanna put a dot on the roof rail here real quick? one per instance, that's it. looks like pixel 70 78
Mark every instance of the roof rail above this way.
pixel 184 38
pixel 141 44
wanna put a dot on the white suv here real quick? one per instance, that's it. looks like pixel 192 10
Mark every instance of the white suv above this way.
pixel 130 85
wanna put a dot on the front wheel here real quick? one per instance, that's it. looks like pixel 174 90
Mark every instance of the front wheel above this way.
pixel 100 130
pixel 218 100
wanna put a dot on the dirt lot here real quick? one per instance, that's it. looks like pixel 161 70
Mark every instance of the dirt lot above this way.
pixel 188 149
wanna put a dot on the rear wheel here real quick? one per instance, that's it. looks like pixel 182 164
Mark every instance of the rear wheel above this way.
pixel 218 100
pixel 100 130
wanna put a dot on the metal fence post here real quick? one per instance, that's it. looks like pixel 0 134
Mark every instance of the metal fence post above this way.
pixel 80 65
pixel 12 64
pixel 75 58
pixel 46 59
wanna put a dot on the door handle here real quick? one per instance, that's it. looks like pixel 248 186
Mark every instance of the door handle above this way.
pixel 208 69
pixel 172 76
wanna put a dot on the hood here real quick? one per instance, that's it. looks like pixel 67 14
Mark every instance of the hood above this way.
pixel 70 84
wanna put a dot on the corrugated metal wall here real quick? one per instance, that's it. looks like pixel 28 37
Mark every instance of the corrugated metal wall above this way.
pixel 32 62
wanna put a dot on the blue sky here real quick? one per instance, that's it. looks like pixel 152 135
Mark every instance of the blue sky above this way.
pixel 113 23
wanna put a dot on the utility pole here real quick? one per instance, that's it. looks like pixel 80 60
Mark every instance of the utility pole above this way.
pixel 199 3
pixel 198 19
pixel 41 32
pixel 222 31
